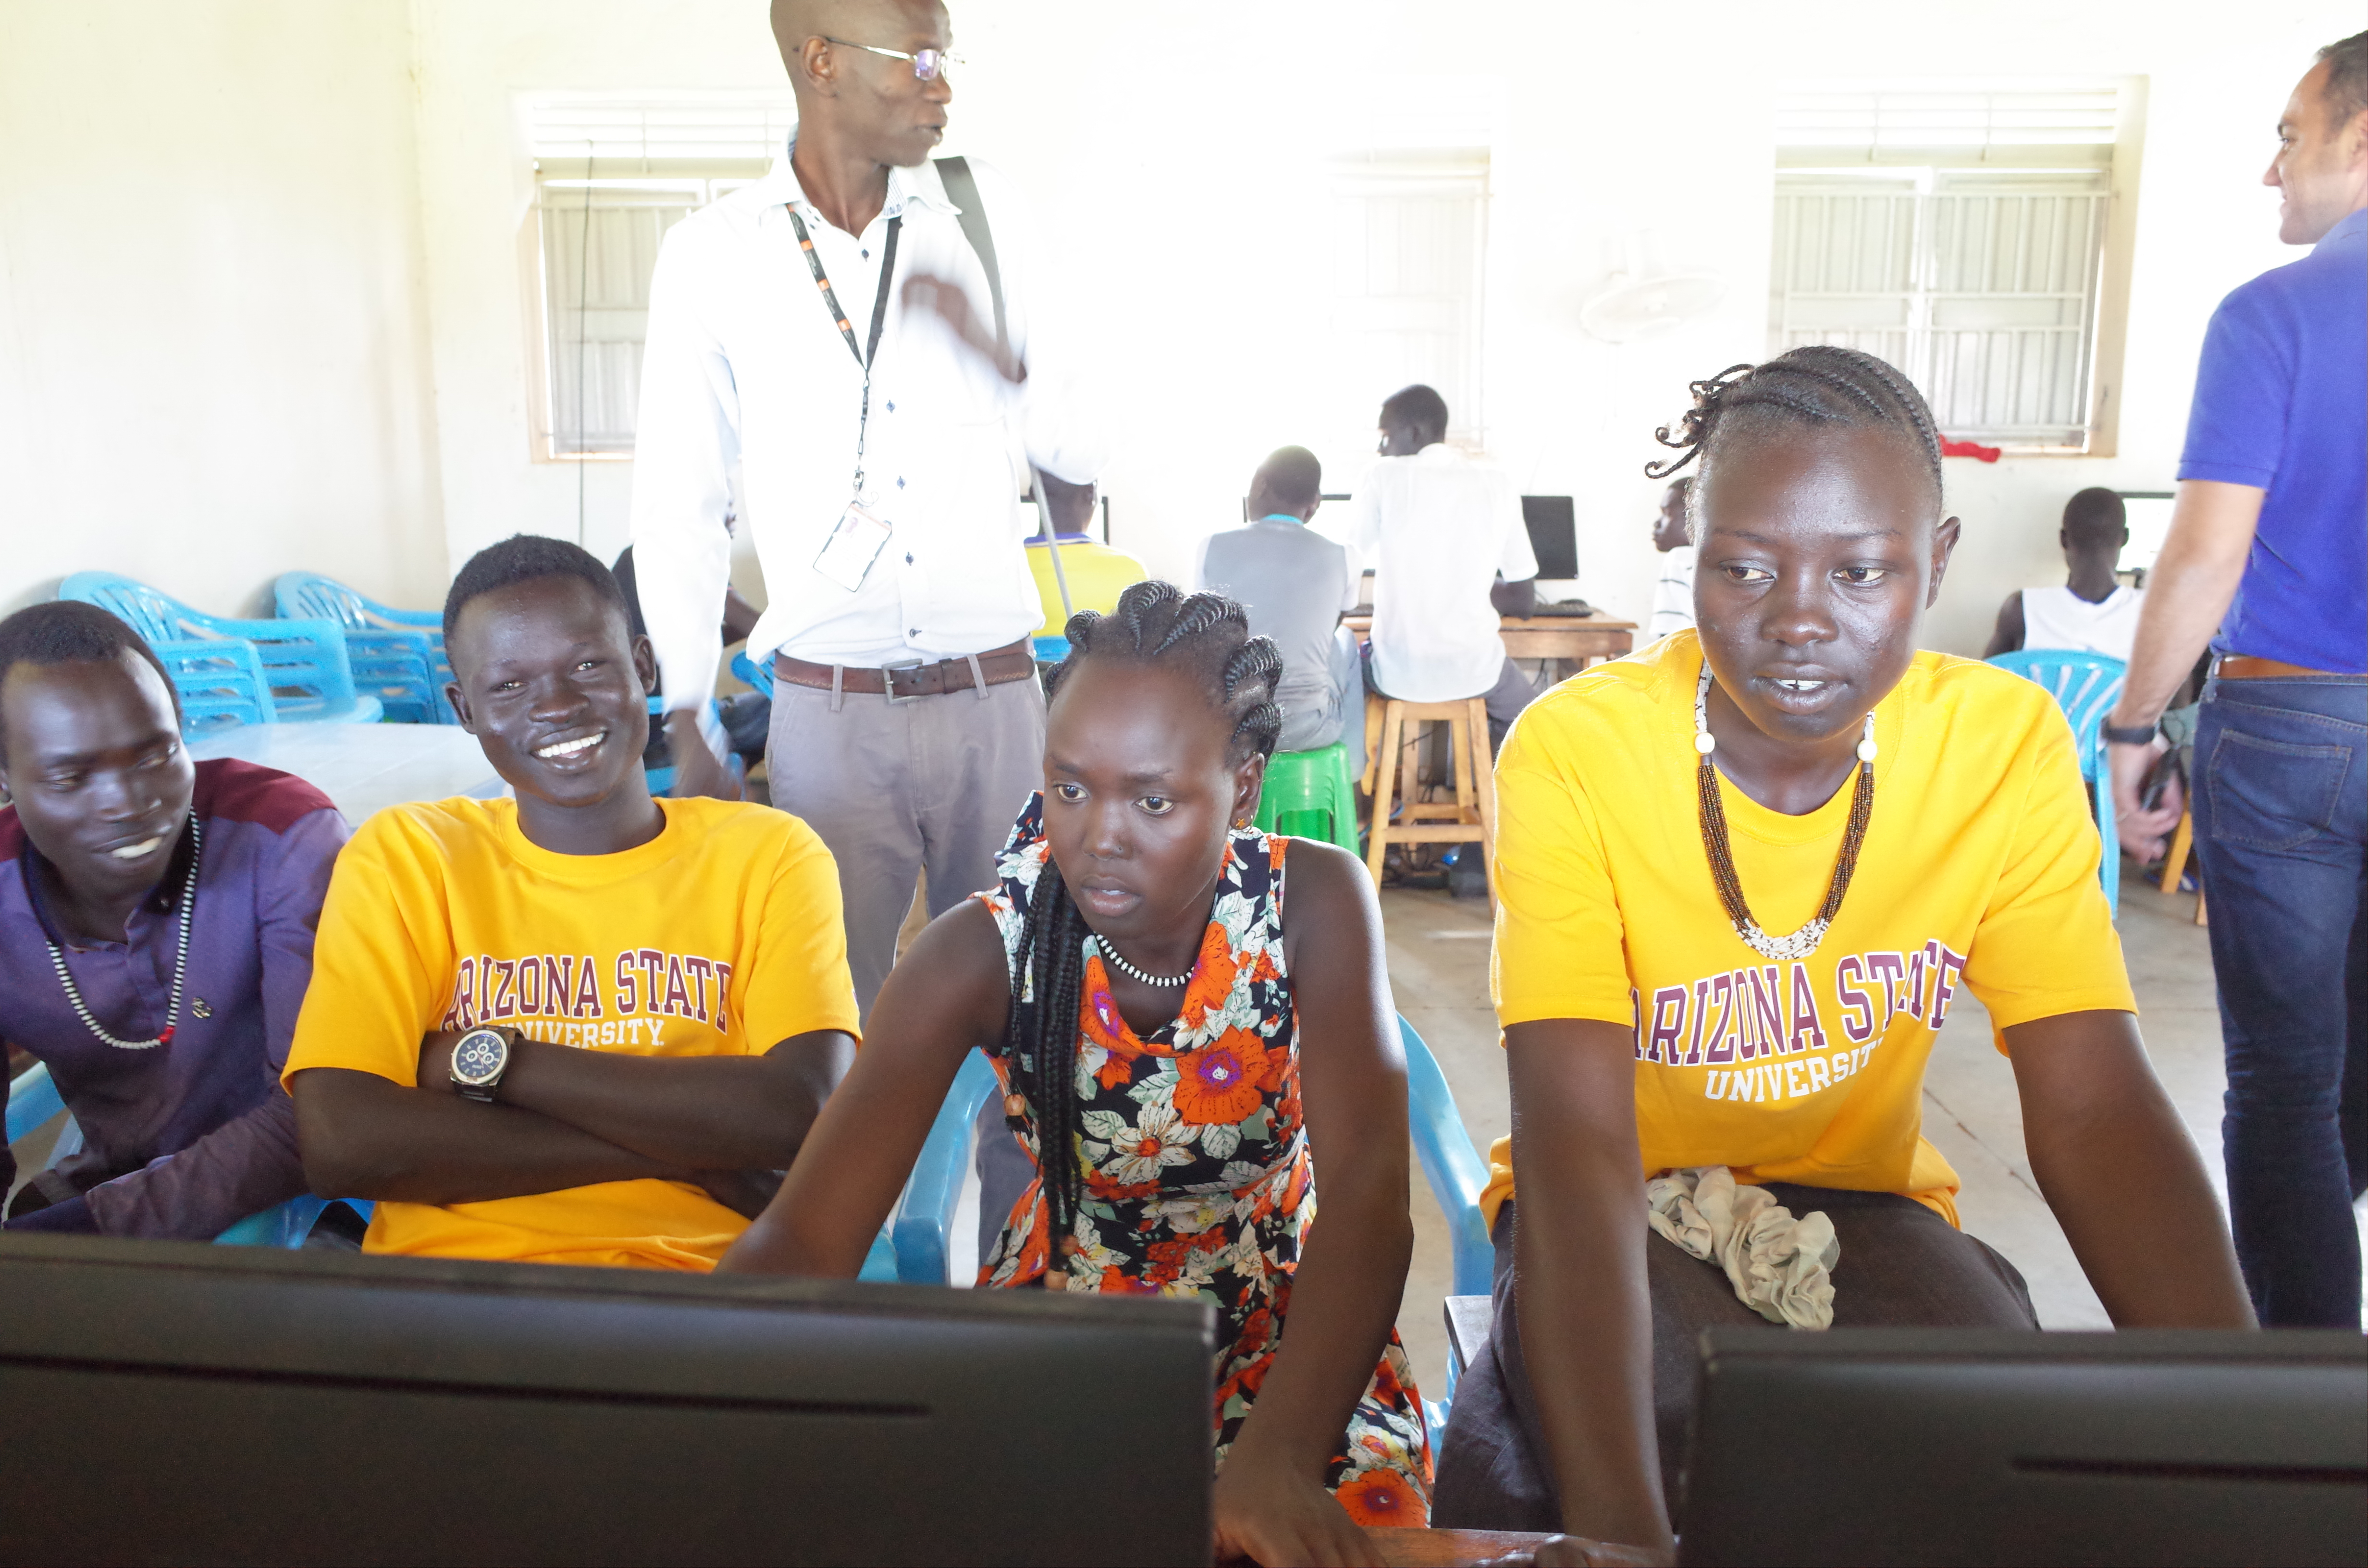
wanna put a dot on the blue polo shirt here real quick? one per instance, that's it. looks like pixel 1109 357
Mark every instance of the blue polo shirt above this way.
pixel 2282 404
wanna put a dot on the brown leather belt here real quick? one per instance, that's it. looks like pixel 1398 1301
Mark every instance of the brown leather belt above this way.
pixel 2244 666
pixel 914 677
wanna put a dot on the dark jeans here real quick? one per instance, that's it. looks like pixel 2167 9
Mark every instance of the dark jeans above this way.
pixel 1901 1265
pixel 2281 813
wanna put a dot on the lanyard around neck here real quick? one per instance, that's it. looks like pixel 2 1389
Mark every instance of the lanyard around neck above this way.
pixel 866 353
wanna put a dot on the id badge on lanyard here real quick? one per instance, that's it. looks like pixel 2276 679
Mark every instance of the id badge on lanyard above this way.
pixel 846 555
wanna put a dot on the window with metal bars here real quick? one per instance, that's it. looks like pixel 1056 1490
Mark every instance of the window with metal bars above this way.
pixel 1962 236
pixel 612 174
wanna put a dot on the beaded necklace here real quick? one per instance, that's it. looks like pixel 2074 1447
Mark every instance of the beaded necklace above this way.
pixel 1803 942
pixel 1157 981
pixel 180 963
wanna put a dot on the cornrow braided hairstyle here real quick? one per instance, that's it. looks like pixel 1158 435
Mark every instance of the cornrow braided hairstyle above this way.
pixel 1207 635
pixel 1815 384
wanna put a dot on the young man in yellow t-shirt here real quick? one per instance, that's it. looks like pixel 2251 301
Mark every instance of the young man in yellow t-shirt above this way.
pixel 584 1026
pixel 1744 877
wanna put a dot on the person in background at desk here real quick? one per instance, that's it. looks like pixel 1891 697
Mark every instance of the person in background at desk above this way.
pixel 1294 584
pixel 1451 557
pixel 2093 612
pixel 2265 560
pixel 156 921
pixel 1673 536
pixel 582 1026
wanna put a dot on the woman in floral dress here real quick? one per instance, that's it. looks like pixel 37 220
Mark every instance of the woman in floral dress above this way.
pixel 1177 1023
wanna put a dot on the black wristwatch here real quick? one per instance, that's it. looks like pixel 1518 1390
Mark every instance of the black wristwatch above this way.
pixel 479 1060
pixel 2131 734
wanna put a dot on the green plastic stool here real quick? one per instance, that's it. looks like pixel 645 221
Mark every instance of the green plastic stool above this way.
pixel 1311 794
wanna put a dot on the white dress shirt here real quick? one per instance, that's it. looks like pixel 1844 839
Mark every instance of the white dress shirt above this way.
pixel 1673 594
pixel 1437 530
pixel 744 364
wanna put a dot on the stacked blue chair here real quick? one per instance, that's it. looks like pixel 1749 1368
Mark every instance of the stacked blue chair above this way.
pixel 259 671
pixel 2086 685
pixel 397 654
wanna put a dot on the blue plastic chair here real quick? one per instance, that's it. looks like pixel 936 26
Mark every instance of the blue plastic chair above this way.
pixel 752 673
pixel 287 1224
pixel 2086 685
pixel 292 671
pixel 32 1100
pixel 397 654
pixel 925 1216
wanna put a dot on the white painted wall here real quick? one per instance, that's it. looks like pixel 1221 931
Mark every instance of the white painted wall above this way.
pixel 213 348
pixel 1170 145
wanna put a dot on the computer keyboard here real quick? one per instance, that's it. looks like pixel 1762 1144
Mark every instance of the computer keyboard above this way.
pixel 1564 607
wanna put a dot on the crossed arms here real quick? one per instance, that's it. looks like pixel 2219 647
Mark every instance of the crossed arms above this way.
pixel 566 1118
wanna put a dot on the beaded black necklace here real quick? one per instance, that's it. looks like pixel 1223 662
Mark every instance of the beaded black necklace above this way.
pixel 1803 942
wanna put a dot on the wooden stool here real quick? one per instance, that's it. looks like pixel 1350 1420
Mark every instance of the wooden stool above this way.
pixel 2175 861
pixel 1469 818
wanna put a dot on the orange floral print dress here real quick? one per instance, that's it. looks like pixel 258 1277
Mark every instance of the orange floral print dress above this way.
pixel 1199 1181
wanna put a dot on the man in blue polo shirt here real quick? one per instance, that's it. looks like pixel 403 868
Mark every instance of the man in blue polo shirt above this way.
pixel 2269 543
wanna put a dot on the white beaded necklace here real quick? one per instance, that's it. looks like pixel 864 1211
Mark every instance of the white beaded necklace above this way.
pixel 1157 981
pixel 180 964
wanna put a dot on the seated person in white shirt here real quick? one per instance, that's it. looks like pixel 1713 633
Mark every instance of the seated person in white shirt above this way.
pixel 1296 585
pixel 2092 612
pixel 1451 556
pixel 1673 591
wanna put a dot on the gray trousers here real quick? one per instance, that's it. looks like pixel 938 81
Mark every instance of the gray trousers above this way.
pixel 1902 1266
pixel 896 790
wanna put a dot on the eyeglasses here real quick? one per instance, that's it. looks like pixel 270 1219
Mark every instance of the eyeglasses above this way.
pixel 928 64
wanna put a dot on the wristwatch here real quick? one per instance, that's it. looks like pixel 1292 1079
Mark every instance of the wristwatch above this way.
pixel 2131 734
pixel 479 1060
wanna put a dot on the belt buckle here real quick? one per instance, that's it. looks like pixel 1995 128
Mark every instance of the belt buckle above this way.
pixel 888 679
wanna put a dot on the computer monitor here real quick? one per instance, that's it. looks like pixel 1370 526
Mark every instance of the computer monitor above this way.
pixel 1554 536
pixel 173 1402
pixel 2148 515
pixel 1918 1446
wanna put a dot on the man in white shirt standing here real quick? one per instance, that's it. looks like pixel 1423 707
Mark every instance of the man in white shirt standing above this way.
pixel 833 330
pixel 1442 532
pixel 2091 611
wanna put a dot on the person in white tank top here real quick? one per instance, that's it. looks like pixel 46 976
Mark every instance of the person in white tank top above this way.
pixel 2091 612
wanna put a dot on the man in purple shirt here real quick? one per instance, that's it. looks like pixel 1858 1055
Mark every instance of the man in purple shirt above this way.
pixel 156 921
pixel 2269 544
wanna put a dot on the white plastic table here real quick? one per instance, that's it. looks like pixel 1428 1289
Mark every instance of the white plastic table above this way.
pixel 364 768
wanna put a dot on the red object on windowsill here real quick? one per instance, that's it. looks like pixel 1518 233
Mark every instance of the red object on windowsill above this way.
pixel 1968 449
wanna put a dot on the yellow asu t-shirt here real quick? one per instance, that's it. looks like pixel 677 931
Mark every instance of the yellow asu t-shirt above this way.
pixel 1979 870
pixel 723 936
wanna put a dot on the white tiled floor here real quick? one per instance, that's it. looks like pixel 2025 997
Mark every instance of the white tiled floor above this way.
pixel 1438 964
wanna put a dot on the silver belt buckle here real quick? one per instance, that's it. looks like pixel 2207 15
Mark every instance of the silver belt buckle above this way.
pixel 888 679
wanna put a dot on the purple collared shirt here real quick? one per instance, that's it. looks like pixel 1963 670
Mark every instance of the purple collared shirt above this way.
pixel 187 1138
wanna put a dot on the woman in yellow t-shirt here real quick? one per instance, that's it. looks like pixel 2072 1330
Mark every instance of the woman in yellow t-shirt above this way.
pixel 1743 875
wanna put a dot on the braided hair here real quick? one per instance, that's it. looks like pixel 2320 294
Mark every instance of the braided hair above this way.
pixel 1815 384
pixel 1207 635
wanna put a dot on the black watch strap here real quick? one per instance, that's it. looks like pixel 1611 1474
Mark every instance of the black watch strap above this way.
pixel 2131 734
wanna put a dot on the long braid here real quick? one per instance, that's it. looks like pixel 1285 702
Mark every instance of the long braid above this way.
pixel 1153 623
pixel 1816 384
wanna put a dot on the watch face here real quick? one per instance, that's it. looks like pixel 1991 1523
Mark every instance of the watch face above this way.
pixel 480 1055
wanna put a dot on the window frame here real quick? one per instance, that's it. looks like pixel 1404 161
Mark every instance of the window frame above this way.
pixel 1986 149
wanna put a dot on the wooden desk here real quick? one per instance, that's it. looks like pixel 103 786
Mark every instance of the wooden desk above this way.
pixel 1582 639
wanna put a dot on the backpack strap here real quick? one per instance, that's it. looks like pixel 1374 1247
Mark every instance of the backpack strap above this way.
pixel 961 185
